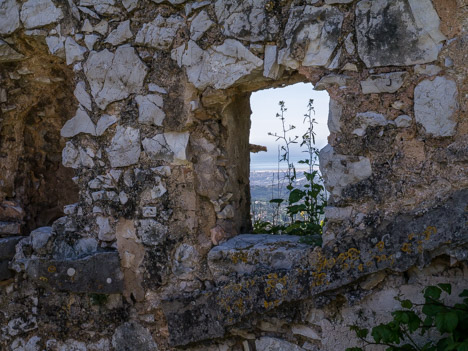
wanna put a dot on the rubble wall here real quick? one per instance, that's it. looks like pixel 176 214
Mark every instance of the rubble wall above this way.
pixel 124 183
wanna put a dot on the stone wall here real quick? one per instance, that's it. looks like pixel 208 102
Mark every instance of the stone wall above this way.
pixel 129 239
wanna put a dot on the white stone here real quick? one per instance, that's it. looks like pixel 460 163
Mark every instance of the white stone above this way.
pixel 38 13
pixel 335 110
pixel 383 83
pixel 435 106
pixel 200 24
pixel 125 148
pixel 8 54
pixel 149 211
pixel 123 198
pixel 317 30
pixel 305 331
pixel 337 214
pixel 350 67
pixel 9 16
pixel 246 20
pixel 40 237
pixel 339 171
pixel 271 69
pixel 73 51
pixel 159 33
pixel 114 77
pixel 403 121
pixel 267 343
pixel 120 35
pixel 349 45
pixel 186 258
pixel 88 12
pixel 82 95
pixel 103 7
pixel 154 88
pixel 102 27
pixel 219 66
pixel 105 122
pixel 428 70
pixel 90 40
pixel 397 32
pixel 130 5
pixel 71 272
pixel 168 146
pixel 150 109
pixel 105 230
pixel 177 143
pixel 80 123
pixel 87 27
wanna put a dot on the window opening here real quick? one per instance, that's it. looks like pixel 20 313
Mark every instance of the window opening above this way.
pixel 287 199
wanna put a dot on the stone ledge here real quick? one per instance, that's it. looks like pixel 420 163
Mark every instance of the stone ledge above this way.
pixel 96 273
pixel 409 240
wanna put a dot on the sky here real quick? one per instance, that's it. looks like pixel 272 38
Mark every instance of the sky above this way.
pixel 264 105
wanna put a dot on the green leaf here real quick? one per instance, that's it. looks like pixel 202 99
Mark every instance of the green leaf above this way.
pixel 432 292
pixel 406 304
pixel 464 293
pixel 446 287
pixel 295 195
pixel 432 309
pixel 276 201
pixel 446 322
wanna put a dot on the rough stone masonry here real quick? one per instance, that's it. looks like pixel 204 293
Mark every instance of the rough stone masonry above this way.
pixel 124 170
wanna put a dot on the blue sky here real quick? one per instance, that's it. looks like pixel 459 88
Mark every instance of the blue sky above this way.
pixel 264 106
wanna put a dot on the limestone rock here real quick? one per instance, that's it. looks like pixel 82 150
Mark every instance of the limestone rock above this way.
pixel 130 5
pixel 103 7
pixel 383 83
pixel 173 2
pixel 121 34
pixel 200 24
pixel 105 230
pixel 90 40
pixel 435 104
pixel 73 51
pixel 339 171
pixel 40 237
pixel 9 16
pixel 338 1
pixel 56 45
pixel 335 110
pixel 397 32
pixel 150 109
pixel 246 20
pixel 8 54
pixel 186 258
pixel 38 13
pixel 314 36
pixel 125 148
pixel 80 123
pixel 271 69
pixel 168 146
pixel 151 232
pixel 160 33
pixel 105 122
pixel 369 118
pixel 133 336
pixel 247 253
pixel 82 95
pixel 338 214
pixel 114 77
pixel 403 121
pixel 219 66
pixel 266 343
pixel 325 82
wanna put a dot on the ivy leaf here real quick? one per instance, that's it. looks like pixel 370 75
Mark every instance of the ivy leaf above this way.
pixel 446 287
pixel 432 292
pixel 446 322
pixel 406 304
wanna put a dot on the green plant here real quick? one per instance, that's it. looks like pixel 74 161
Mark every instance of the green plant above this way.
pixel 304 205
pixel 98 299
pixel 450 322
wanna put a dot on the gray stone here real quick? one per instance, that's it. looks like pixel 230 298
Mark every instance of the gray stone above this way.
pixel 168 146
pixel 335 110
pixel 271 69
pixel 219 66
pixel 56 45
pixel 435 106
pixel 130 5
pixel 383 83
pixel 9 16
pixel 40 237
pixel 349 44
pixel 76 157
pixel 331 80
pixel 339 171
pixel 338 1
pixel 105 230
pixel 397 32
pixel 7 247
pixel 73 51
pixel 103 7
pixel 102 27
pixel 90 40
pixel 150 109
pixel 105 122
pixel 38 13
pixel 266 343
pixel 151 232
pixel 338 214
pixel 120 35
pixel 428 70
pixel 173 2
pixel 246 20
pixel 10 228
pixel 82 95
pixel 315 32
pixel 8 54
pixel 154 88
pixel 114 77
pixel 97 273
pixel 369 119
pixel 160 33
pixel 125 148
pixel 403 121
pixel 200 24
pixel 251 253
pixel 80 123
pixel 133 336
pixel 186 259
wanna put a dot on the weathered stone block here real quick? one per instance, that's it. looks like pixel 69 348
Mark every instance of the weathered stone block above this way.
pixel 397 32
pixel 10 228
pixel 9 16
pixel 383 83
pixel 133 336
